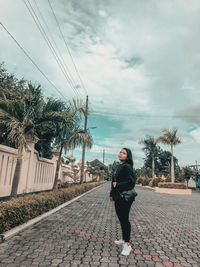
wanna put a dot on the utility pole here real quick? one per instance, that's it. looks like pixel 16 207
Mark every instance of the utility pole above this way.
pixel 83 152
pixel 103 155
pixel 196 166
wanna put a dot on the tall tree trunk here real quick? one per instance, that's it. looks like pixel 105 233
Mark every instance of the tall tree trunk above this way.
pixel 55 185
pixel 153 168
pixel 172 165
pixel 16 177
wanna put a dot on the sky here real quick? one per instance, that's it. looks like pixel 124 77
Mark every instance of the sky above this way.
pixel 137 60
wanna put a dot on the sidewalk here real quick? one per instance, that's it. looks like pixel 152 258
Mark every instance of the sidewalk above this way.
pixel 165 232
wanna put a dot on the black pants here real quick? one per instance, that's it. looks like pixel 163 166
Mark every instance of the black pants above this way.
pixel 122 209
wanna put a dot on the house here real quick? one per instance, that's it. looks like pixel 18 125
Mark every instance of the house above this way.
pixel 95 163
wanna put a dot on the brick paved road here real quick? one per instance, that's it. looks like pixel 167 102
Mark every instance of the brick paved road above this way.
pixel 165 232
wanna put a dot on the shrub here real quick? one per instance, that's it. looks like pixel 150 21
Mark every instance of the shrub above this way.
pixel 65 184
pixel 179 179
pixel 151 183
pixel 139 180
pixel 146 181
pixel 172 185
pixel 19 210
pixel 95 179
pixel 168 179
pixel 155 181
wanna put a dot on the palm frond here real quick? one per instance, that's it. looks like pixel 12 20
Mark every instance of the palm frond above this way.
pixel 77 139
pixel 169 137
pixel 149 145
pixel 163 139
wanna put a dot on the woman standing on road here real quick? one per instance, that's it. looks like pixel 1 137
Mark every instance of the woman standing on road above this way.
pixel 124 179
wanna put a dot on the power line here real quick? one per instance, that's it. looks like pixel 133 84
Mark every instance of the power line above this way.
pixel 44 21
pixel 32 60
pixel 92 112
pixel 42 31
pixel 67 46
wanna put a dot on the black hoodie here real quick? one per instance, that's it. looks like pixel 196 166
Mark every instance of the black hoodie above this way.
pixel 125 178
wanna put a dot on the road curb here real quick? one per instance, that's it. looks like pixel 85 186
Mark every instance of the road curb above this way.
pixel 145 186
pixel 8 234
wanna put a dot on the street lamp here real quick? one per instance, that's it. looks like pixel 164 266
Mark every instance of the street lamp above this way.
pixel 83 152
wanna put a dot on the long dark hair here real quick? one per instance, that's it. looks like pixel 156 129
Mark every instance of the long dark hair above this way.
pixel 129 159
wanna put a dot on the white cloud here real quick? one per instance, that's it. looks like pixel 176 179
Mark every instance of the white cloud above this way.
pixel 102 13
pixel 196 135
pixel 139 61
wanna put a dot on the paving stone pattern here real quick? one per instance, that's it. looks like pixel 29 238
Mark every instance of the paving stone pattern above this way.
pixel 165 232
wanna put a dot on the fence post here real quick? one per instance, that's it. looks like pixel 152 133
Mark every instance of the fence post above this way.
pixel 29 155
pixel 55 159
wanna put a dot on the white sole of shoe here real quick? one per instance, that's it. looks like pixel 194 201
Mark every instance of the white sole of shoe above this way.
pixel 119 243
pixel 126 253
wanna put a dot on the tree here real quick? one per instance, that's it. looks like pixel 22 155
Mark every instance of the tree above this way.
pixel 25 115
pixel 187 173
pixel 17 120
pixel 169 137
pixel 164 162
pixel 98 171
pixel 151 150
pixel 70 135
pixel 53 113
pixel 144 171
pixel 9 84
pixel 10 89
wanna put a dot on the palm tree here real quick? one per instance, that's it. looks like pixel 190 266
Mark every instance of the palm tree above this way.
pixel 151 150
pixel 70 136
pixel 17 119
pixel 72 139
pixel 169 137
pixel 53 114
pixel 25 115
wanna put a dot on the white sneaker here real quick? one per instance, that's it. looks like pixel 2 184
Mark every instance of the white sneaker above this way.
pixel 119 242
pixel 126 250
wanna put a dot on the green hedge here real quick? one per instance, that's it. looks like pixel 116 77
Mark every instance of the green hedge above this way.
pixel 19 210
pixel 172 185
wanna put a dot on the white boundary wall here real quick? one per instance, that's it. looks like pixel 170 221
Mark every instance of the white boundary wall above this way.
pixel 8 159
pixel 37 174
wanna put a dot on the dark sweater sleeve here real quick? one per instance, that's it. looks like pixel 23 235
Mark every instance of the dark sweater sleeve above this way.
pixel 129 179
